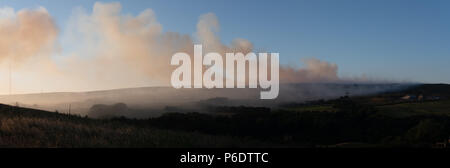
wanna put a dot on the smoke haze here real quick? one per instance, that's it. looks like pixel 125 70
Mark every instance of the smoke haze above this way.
pixel 107 49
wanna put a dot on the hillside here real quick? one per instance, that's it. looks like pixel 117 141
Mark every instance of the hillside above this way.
pixel 23 127
pixel 152 101
pixel 387 119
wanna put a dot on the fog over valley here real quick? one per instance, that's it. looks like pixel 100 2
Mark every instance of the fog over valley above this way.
pixel 152 101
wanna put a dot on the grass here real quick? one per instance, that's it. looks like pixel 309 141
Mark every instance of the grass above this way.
pixel 327 108
pixel 20 127
pixel 416 108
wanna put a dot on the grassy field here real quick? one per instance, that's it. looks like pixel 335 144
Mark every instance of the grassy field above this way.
pixel 344 122
pixel 21 127
pixel 416 108
pixel 327 108
pixel 404 109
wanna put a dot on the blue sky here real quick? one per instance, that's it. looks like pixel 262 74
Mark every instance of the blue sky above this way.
pixel 385 39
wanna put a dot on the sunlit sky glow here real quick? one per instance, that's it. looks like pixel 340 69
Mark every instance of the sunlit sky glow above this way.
pixel 383 39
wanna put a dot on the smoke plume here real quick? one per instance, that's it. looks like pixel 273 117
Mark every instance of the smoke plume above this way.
pixel 106 49
pixel 315 71
pixel 26 33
